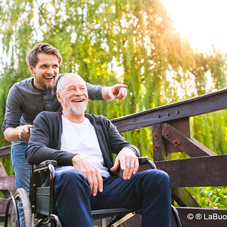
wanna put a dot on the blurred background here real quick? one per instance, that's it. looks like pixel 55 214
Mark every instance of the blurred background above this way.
pixel 165 51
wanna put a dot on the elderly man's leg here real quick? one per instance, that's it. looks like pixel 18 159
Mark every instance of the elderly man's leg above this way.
pixel 149 190
pixel 72 192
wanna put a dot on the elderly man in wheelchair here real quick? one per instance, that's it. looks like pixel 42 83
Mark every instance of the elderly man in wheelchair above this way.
pixel 86 178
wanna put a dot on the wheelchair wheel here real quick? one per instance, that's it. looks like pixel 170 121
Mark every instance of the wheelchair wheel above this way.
pixel 24 208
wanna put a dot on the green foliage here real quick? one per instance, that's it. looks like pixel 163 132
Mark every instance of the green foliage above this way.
pixel 211 130
pixel 116 41
pixel 210 197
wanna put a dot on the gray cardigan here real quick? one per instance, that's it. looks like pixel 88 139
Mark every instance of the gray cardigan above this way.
pixel 45 141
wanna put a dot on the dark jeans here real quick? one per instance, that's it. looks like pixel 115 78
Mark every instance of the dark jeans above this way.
pixel 149 190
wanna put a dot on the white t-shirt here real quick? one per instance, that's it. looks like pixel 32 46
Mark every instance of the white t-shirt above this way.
pixel 82 139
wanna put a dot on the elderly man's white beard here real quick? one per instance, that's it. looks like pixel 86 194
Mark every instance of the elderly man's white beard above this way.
pixel 78 110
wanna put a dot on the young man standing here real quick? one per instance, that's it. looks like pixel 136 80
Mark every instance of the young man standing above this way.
pixel 27 98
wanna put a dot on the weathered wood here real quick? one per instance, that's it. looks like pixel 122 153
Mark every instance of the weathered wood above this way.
pixel 6 193
pixel 190 146
pixel 3 203
pixel 134 221
pixel 183 126
pixel 2 217
pixel 184 198
pixel 209 217
pixel 97 223
pixel 180 195
pixel 195 172
pixel 183 212
pixel 3 172
pixel 5 151
pixel 187 108
pixel 7 183
pixel 158 146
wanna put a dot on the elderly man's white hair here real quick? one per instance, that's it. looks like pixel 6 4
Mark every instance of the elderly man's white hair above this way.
pixel 60 83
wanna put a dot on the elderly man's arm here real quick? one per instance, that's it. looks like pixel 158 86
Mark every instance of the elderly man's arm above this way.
pixel 44 141
pixel 128 162
pixel 127 158
pixel 44 145
pixel 90 172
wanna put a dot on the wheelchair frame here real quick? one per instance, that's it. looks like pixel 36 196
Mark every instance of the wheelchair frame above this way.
pixel 43 207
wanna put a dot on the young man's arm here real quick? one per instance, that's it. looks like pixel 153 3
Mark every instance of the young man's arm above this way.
pixel 98 92
pixel 20 132
pixel 11 124
pixel 114 92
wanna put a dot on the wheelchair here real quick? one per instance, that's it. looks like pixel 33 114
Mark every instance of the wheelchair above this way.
pixel 39 207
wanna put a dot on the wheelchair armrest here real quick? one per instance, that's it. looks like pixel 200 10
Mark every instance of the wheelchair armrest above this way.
pixel 143 160
pixel 146 160
pixel 45 164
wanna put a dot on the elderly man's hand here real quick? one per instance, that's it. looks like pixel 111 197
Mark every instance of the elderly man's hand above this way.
pixel 90 172
pixel 128 162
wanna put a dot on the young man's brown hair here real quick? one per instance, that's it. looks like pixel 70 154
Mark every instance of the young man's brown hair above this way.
pixel 42 48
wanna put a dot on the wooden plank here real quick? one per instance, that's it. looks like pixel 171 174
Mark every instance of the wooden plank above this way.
pixel 183 212
pixel 3 172
pixel 97 223
pixel 201 217
pixel 2 217
pixel 158 146
pixel 5 151
pixel 187 108
pixel 6 193
pixel 190 146
pixel 183 126
pixel 195 172
pixel 134 221
pixel 7 183
pixel 3 203
pixel 184 198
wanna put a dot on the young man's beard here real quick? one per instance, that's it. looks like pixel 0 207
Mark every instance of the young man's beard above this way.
pixel 41 81
pixel 48 87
